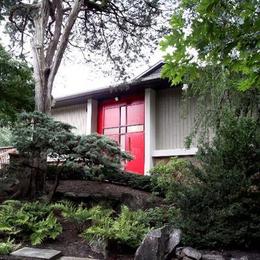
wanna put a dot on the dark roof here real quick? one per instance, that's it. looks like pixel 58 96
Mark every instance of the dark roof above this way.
pixel 153 72
pixel 150 78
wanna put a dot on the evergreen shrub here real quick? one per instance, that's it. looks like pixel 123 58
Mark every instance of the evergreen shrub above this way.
pixel 141 182
pixel 219 207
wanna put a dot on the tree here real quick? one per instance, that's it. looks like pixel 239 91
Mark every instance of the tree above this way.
pixel 115 28
pixel 16 87
pixel 221 207
pixel 213 48
pixel 214 32
pixel 37 135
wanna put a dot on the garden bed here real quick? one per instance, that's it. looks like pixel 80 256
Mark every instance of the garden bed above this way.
pixel 70 244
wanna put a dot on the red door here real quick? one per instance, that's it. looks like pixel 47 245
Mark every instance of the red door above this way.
pixel 123 121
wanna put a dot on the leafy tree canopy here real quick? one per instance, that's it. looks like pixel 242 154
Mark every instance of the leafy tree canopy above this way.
pixel 16 87
pixel 212 32
pixel 116 32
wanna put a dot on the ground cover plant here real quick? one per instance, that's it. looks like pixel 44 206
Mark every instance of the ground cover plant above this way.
pixel 7 246
pixel 37 222
pixel 104 224
pixel 28 221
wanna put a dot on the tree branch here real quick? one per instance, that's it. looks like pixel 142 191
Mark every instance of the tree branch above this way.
pixel 63 42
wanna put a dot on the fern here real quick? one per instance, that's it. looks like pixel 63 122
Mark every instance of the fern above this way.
pixel 47 228
pixel 29 220
pixel 128 228
pixel 81 216
pixel 7 247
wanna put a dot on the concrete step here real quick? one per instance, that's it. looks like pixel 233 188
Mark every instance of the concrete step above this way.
pixel 36 253
pixel 76 258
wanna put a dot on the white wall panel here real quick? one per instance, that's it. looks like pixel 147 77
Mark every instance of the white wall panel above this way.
pixel 174 119
pixel 75 115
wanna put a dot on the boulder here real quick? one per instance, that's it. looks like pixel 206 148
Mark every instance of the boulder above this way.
pixel 191 253
pixel 155 245
pixel 173 241
pixel 212 257
pixel 240 258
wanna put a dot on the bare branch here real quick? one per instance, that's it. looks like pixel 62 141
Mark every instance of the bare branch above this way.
pixel 63 42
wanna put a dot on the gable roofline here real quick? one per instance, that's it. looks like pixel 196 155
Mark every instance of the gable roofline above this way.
pixel 149 71
pixel 139 83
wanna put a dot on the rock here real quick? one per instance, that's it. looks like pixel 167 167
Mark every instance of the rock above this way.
pixel 178 252
pixel 191 253
pixel 154 245
pixel 174 240
pixel 212 257
pixel 240 258
pixel 99 246
pixel 36 253
pixel 186 258
pixel 75 258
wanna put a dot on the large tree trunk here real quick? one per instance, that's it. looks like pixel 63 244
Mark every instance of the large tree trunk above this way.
pixel 46 62
pixel 47 59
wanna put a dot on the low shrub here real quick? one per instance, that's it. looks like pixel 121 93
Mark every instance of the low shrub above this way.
pixel 128 228
pixel 32 221
pixel 6 247
pixel 80 215
pixel 159 216
pixel 134 181
pixel 166 177
pixel 219 207
pixel 103 224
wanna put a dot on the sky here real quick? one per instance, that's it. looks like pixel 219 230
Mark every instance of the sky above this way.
pixel 75 76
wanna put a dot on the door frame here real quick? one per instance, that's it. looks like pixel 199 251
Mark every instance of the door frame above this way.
pixel 121 101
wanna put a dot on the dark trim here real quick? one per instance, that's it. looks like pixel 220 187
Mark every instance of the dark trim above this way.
pixel 111 92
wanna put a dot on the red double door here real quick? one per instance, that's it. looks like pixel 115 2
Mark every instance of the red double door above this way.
pixel 123 121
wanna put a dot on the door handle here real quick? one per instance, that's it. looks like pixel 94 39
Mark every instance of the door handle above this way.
pixel 129 143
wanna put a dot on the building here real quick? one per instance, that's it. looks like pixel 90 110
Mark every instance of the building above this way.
pixel 145 117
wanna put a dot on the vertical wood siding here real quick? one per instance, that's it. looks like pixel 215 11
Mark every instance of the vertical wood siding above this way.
pixel 174 119
pixel 75 115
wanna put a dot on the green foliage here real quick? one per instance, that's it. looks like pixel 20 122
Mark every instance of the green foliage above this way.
pixel 212 47
pixel 99 154
pixel 5 137
pixel 221 207
pixel 141 182
pixel 25 220
pixel 214 32
pixel 6 247
pixel 46 228
pixel 159 216
pixel 166 177
pixel 79 215
pixel 16 87
pixel 128 228
pixel 36 133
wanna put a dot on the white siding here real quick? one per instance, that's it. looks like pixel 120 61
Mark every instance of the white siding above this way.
pixel 75 115
pixel 174 119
